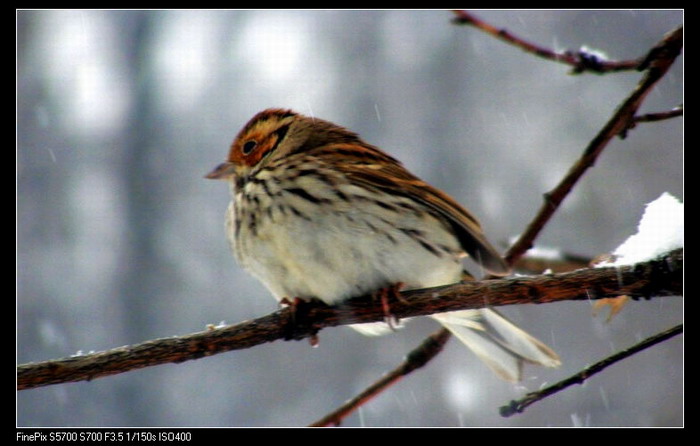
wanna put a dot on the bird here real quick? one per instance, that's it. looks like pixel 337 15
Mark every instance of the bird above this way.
pixel 318 213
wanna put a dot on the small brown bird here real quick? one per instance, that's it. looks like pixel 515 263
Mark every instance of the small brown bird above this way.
pixel 319 213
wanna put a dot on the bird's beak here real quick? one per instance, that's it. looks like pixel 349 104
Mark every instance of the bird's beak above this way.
pixel 222 172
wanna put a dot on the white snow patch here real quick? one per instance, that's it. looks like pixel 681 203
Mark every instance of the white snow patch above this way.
pixel 598 54
pixel 542 252
pixel 660 231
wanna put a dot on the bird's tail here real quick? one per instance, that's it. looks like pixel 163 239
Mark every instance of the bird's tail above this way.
pixel 502 345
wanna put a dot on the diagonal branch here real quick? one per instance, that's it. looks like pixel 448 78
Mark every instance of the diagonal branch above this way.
pixel 660 277
pixel 520 405
pixel 581 60
pixel 667 50
pixel 416 359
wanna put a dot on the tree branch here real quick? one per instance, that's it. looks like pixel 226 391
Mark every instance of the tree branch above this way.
pixel 581 60
pixel 660 116
pixel 660 277
pixel 518 406
pixel 666 52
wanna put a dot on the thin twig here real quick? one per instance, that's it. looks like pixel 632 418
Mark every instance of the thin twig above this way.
pixel 581 60
pixel 660 277
pixel 417 358
pixel 660 116
pixel 653 117
pixel 518 406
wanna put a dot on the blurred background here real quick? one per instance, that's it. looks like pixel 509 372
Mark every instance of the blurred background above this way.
pixel 120 239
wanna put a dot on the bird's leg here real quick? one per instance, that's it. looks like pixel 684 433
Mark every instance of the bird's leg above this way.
pixel 385 295
pixel 299 318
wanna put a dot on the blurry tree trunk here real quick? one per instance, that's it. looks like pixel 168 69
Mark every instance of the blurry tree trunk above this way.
pixel 142 269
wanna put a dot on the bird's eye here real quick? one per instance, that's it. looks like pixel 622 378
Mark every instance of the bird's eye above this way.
pixel 248 147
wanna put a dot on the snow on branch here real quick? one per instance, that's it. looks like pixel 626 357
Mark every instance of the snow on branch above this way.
pixel 660 230
pixel 583 60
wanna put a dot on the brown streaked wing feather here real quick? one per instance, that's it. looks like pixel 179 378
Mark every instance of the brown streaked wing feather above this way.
pixel 390 176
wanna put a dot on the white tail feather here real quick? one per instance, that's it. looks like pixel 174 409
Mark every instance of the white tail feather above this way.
pixel 498 342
